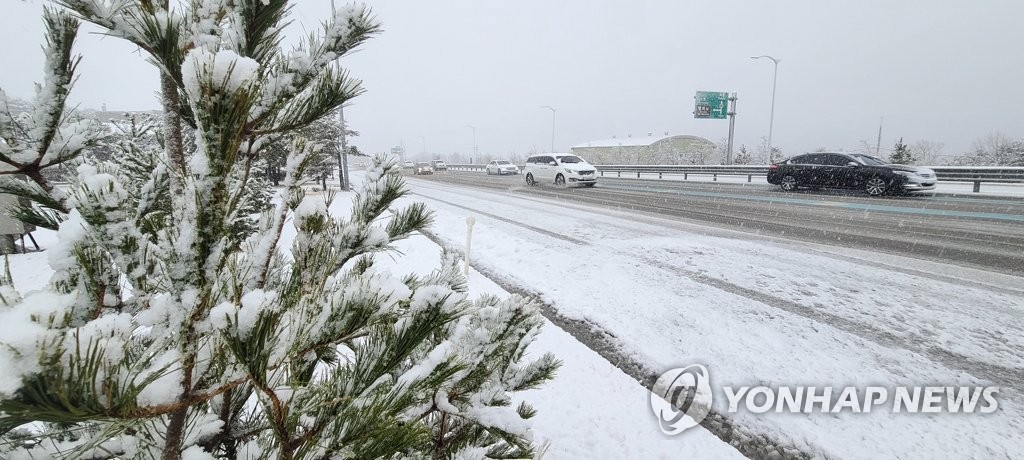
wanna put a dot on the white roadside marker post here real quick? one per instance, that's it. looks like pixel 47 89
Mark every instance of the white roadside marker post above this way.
pixel 469 239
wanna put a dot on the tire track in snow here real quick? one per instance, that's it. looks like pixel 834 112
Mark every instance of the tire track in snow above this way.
pixel 510 221
pixel 750 443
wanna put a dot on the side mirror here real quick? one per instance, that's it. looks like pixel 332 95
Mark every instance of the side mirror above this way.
pixel 552 163
pixel 853 164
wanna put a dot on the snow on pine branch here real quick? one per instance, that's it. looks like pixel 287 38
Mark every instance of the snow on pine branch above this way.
pixel 224 71
pixel 293 73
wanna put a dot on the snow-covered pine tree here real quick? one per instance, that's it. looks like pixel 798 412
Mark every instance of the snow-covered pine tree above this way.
pixel 163 338
pixel 901 154
pixel 326 132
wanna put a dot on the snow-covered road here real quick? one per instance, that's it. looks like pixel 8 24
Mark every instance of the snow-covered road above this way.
pixel 760 311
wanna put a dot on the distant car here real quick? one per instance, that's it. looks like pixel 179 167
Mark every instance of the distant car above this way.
pixel 423 167
pixel 559 169
pixel 501 167
pixel 850 171
pixel 439 165
pixel 408 165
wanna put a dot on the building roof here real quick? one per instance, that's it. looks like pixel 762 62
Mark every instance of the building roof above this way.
pixel 635 141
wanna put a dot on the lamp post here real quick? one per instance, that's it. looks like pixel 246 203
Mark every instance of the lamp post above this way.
pixel 771 119
pixel 552 125
pixel 474 142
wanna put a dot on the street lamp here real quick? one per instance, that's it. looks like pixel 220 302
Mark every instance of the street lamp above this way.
pixel 771 120
pixel 474 143
pixel 552 125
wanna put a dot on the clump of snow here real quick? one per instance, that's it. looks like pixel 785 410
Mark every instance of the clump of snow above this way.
pixel 244 317
pixel 196 453
pixel 442 402
pixel 377 237
pixel 21 335
pixel 442 296
pixel 166 386
pixel 427 365
pixel 206 426
pixel 310 206
pixel 62 256
pixel 69 140
pixel 224 70
pixel 502 418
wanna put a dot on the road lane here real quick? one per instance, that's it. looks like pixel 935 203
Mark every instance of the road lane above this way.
pixel 984 233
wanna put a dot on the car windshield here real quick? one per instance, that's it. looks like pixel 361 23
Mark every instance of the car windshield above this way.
pixel 569 159
pixel 869 160
pixel 503 162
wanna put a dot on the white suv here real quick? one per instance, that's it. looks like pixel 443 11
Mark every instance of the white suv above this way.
pixel 559 169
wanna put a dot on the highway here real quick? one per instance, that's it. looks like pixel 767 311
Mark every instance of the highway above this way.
pixel 986 233
pixel 765 287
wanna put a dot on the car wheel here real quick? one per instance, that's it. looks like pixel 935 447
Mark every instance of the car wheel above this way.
pixel 788 183
pixel 876 186
pixel 488 171
pixel 560 181
pixel 529 180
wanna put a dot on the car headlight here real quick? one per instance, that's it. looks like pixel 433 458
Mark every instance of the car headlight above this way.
pixel 568 170
pixel 910 176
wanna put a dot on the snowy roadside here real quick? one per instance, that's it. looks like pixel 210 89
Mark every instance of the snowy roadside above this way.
pixel 591 409
pixel 763 312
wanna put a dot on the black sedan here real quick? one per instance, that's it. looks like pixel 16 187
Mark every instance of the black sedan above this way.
pixel 849 171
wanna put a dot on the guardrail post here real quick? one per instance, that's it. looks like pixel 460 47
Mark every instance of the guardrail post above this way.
pixel 750 177
pixel 977 186
pixel 638 174
pixel 714 177
pixel 659 176
pixel 685 175
pixel 619 173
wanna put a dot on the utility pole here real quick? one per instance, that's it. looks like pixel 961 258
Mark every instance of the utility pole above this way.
pixel 552 126
pixel 771 119
pixel 343 154
pixel 878 146
pixel 475 152
pixel 732 128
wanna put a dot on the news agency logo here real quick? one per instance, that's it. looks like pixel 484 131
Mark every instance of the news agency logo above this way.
pixel 681 399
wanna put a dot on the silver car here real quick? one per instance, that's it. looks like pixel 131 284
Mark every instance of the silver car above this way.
pixel 502 167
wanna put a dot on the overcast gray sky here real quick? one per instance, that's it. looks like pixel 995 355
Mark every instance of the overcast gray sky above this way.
pixel 943 71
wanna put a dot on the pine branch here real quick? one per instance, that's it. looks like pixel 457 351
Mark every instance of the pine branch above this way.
pixel 61 31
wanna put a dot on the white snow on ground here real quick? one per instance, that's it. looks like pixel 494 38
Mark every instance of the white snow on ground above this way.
pixel 760 311
pixel 590 410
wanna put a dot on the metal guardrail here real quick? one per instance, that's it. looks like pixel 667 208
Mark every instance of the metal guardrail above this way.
pixel 972 174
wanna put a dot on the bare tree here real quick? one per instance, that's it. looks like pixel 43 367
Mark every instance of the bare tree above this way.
pixel 765 155
pixel 927 152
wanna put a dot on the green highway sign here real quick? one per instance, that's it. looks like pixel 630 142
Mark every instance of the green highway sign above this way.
pixel 710 104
